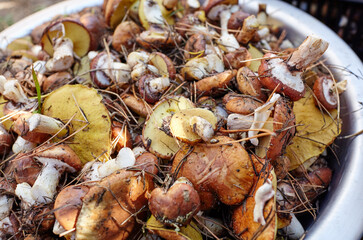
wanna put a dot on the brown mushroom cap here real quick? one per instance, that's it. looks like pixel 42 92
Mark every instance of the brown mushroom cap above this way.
pixel 26 169
pixel 108 205
pixel 176 206
pixel 61 152
pixel 123 135
pixel 283 127
pixel 68 204
pixel 6 140
pixel 224 170
pixel 243 222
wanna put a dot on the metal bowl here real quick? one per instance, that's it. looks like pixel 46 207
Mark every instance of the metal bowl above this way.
pixel 341 210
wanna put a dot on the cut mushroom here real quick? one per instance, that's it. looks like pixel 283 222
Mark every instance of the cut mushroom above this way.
pixel 55 161
pixel 66 29
pixel 325 92
pixel 62 56
pixel 193 125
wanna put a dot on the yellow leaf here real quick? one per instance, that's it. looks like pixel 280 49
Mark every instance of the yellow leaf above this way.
pixel 255 53
pixel 94 140
pixel 8 122
pixel 318 130
pixel 189 232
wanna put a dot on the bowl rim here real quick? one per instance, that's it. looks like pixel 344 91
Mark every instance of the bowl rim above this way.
pixel 341 217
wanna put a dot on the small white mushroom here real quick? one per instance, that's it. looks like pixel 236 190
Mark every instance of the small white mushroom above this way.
pixel 202 127
pixel 263 194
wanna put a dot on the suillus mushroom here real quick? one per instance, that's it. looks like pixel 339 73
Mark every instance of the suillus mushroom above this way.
pixel 55 161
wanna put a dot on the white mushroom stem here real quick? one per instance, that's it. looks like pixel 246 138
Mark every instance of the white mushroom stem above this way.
pixel 237 121
pixel 342 86
pixel 6 204
pixel 220 113
pixel 135 58
pixel 141 69
pixel 12 90
pixel 215 63
pixel 6 226
pixel 308 52
pixel 159 84
pixel 152 12
pixel 44 124
pixel 39 67
pixel 249 28
pixel 261 115
pixel 46 183
pixel 125 158
pixel 23 191
pixel 21 145
pixel 263 194
pixel 121 72
pixel 138 151
pixel 228 41
pixel 57 228
pixel 193 3
pixel 202 127
pixel 294 230
pixel 91 170
pixel 62 56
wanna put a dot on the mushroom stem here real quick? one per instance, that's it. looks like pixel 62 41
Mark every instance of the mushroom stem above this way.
pixel 22 145
pixel 62 57
pixel 23 191
pixel 12 90
pixel 125 158
pixel 228 41
pixel 308 52
pixel 295 230
pixel 44 124
pixel 159 84
pixel 250 26
pixel 260 117
pixel 263 194
pixel 6 204
pixel 46 184
pixel 202 127
pixel 153 12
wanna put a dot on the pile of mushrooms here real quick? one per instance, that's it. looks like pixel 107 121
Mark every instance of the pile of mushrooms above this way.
pixel 163 119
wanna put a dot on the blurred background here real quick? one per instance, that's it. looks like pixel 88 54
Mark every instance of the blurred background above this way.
pixel 345 17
